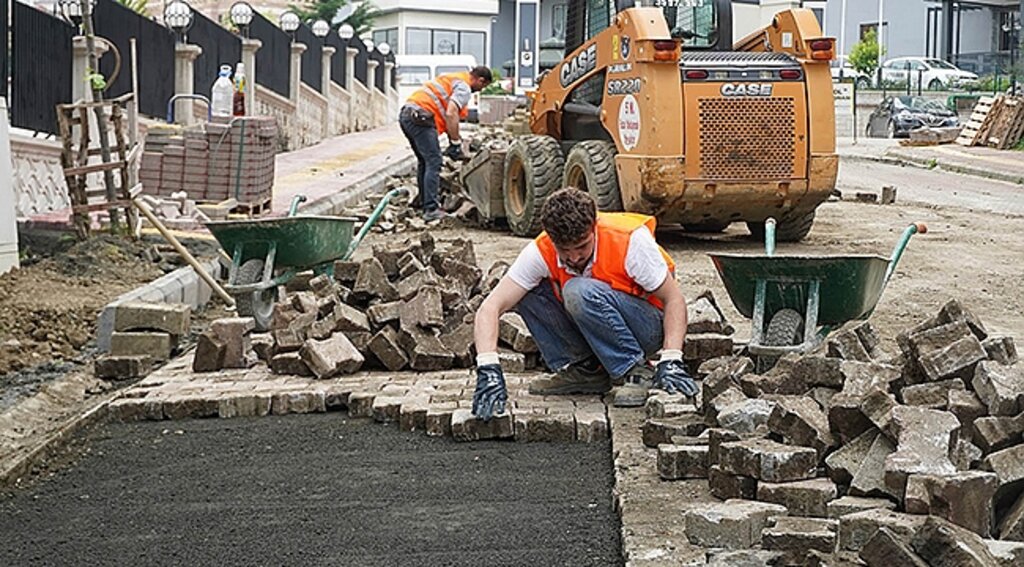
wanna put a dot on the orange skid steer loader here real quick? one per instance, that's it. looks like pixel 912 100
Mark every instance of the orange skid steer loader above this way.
pixel 655 110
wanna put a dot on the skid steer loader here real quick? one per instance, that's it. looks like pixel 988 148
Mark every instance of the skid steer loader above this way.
pixel 655 110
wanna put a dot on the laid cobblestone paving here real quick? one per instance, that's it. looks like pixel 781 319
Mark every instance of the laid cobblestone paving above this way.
pixel 425 401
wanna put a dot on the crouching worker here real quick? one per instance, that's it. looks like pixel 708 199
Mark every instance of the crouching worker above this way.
pixel 600 298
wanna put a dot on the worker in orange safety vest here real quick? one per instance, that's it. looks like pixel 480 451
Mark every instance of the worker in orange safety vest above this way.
pixel 600 297
pixel 436 109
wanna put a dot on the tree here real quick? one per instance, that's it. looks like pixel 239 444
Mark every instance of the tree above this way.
pixel 864 55
pixel 361 19
pixel 138 6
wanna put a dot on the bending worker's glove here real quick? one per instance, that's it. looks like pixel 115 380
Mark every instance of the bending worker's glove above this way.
pixel 491 395
pixel 670 375
pixel 454 151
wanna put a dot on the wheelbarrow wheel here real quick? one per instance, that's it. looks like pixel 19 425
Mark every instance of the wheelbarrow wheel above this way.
pixel 786 328
pixel 259 304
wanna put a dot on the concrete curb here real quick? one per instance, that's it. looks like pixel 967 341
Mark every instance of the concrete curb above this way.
pixel 927 163
pixel 335 204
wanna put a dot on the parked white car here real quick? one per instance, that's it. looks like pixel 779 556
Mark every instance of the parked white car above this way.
pixel 847 73
pixel 934 74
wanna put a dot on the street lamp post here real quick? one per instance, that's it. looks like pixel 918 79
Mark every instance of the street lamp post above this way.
pixel 320 29
pixel 1012 28
pixel 71 10
pixel 345 32
pixel 290 22
pixel 178 16
pixel 241 14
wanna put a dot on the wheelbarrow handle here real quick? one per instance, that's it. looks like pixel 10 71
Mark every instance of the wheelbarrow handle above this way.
pixel 911 230
pixel 769 237
pixel 296 201
pixel 374 216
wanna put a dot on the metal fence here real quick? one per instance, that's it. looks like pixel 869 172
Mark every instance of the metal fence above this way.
pixel 155 50
pixel 274 58
pixel 379 75
pixel 312 57
pixel 41 68
pixel 220 47
pixel 340 60
pixel 361 59
pixel 394 70
pixel 4 54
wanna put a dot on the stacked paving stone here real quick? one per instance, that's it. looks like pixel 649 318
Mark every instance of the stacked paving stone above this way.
pixel 212 162
pixel 875 460
pixel 226 344
pixel 144 334
pixel 409 306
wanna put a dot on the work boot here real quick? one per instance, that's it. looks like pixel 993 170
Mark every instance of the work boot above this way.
pixel 435 215
pixel 633 393
pixel 587 377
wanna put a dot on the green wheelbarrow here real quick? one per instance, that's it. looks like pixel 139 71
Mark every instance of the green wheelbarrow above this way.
pixel 267 253
pixel 795 301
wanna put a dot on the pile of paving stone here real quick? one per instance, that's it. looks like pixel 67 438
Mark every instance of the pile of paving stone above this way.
pixel 409 306
pixel 144 334
pixel 913 459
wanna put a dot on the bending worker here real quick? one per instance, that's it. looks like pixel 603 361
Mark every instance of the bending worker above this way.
pixel 600 298
pixel 436 109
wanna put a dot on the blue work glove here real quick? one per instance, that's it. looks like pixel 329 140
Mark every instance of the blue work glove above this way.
pixel 491 395
pixel 671 376
pixel 454 151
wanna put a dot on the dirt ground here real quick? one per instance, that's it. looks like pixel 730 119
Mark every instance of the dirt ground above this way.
pixel 969 253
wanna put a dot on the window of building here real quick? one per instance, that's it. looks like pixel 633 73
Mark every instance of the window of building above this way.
pixel 420 41
pixel 558 21
pixel 389 36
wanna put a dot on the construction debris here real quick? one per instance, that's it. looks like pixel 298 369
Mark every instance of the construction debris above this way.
pixel 911 457
pixel 997 122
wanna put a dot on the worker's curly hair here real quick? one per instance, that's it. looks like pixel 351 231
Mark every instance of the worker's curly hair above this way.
pixel 568 215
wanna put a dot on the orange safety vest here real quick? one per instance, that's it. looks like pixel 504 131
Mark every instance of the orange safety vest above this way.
pixel 613 232
pixel 434 95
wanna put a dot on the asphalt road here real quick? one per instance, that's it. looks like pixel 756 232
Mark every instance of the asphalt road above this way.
pixel 313 490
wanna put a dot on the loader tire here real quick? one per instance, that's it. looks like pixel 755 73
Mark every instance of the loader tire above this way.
pixel 789 229
pixel 258 305
pixel 590 167
pixel 706 226
pixel 533 171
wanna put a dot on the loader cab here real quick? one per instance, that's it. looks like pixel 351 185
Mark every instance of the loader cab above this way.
pixel 704 25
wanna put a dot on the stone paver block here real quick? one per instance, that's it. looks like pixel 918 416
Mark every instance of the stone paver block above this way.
pixel 733 524
pixel 941 543
pixel 996 433
pixel 360 404
pixel 713 405
pixel 847 345
pixel 657 403
pixel 958 359
pixel 794 537
pixel 557 427
pixel 717 436
pixel 171 318
pixel 289 363
pixel 661 430
pixel 384 345
pixel 371 282
pixel 250 405
pixel 298 402
pixel 384 313
pixel 768 460
pixel 966 406
pixel 924 442
pixel 387 408
pixel 964 498
pixel 439 418
pixel 189 407
pixel 932 395
pixel 460 342
pixel 869 479
pixel 703 316
pixel 128 410
pixel 263 345
pixel 1008 464
pixel 1000 388
pixel 748 417
pixel 411 285
pixel 466 427
pixel 887 549
pixel 423 310
pixel 348 319
pixel 800 421
pixel 110 367
pixel 1001 350
pixel 426 351
pixel 856 529
pixel 1006 553
pixel 853 504
pixel 514 332
pixel 725 558
pixel 330 357
pixel 705 346
pixel 682 461
pixel 844 462
pixel 723 374
pixel 155 345
pixel 591 425
pixel 234 333
pixel 801 498
pixel 413 415
pixel 726 486
pixel 287 340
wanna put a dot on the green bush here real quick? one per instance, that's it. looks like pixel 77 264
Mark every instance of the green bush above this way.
pixel 495 87
pixel 864 54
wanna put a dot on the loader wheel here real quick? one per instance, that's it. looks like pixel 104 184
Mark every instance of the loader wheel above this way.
pixel 258 305
pixel 533 170
pixel 789 229
pixel 707 226
pixel 590 167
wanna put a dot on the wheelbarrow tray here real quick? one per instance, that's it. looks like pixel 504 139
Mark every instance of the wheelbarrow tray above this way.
pixel 302 241
pixel 850 286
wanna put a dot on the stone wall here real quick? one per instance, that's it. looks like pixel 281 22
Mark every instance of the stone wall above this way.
pixel 38 177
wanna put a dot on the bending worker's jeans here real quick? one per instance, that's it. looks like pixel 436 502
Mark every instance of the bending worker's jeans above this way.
pixel 424 142
pixel 594 319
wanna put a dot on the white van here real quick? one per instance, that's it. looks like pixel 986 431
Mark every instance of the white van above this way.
pixel 414 70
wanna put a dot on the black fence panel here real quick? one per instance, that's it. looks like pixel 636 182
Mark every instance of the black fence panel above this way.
pixel 378 78
pixel 220 47
pixel 340 60
pixel 155 49
pixel 273 60
pixel 361 58
pixel 312 57
pixel 41 68
pixel 394 70
pixel 4 69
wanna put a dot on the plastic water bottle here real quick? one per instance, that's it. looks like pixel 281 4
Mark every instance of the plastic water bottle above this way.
pixel 223 91
pixel 238 100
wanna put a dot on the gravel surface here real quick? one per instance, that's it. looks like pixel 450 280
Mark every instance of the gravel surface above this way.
pixel 313 490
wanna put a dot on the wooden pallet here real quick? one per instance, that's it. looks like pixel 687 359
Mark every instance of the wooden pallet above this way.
pixel 976 130
pixel 1009 125
pixel 252 209
pixel 112 178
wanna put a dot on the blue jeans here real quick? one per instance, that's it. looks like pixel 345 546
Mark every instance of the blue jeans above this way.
pixel 620 329
pixel 424 142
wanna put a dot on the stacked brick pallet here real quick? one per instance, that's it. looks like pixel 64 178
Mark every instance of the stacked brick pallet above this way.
pixel 858 456
pixel 213 162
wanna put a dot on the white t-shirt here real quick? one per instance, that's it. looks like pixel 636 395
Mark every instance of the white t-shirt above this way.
pixel 644 263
